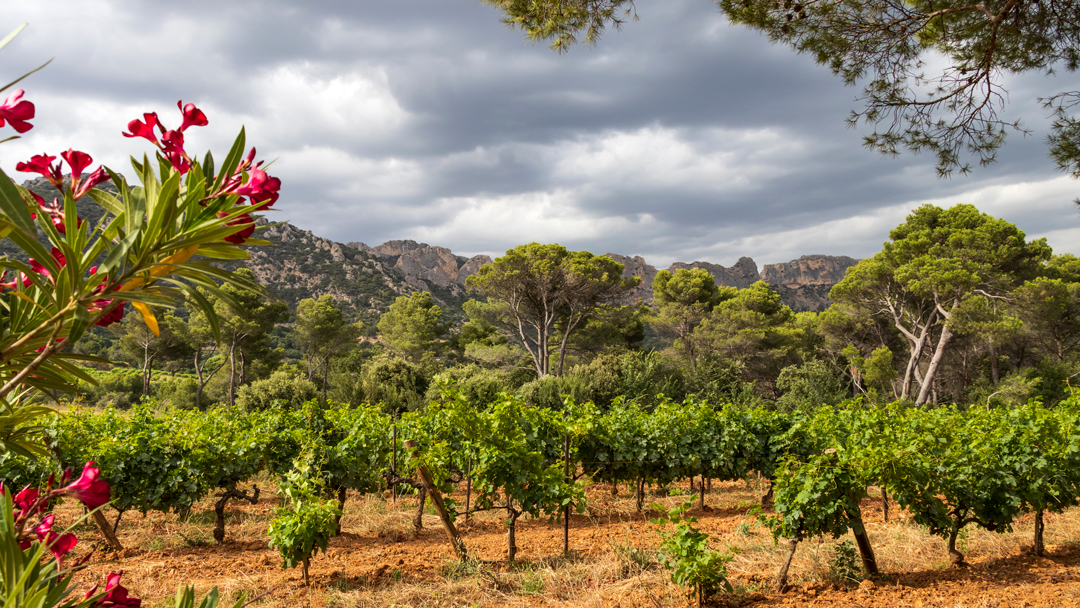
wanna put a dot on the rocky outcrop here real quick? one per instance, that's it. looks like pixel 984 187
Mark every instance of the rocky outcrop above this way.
pixel 471 267
pixel 427 263
pixel 804 283
pixel 636 267
pixel 742 275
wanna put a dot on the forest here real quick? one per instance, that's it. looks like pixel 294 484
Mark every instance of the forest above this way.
pixel 958 307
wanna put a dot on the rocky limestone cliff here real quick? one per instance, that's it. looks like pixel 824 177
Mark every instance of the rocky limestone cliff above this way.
pixel 804 283
pixel 742 275
pixel 423 262
pixel 636 267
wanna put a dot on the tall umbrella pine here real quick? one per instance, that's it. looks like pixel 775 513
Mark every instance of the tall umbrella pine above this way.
pixel 938 268
pixel 543 293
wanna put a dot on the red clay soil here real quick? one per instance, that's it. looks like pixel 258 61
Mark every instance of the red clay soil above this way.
pixel 383 560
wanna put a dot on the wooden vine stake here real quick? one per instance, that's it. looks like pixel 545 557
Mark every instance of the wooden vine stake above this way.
pixel 436 498
pixel 107 530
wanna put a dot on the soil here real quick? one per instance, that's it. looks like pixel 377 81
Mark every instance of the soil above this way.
pixel 380 560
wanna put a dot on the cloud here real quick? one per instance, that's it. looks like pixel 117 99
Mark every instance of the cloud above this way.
pixel 678 138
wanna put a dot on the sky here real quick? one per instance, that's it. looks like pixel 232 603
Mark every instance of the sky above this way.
pixel 678 138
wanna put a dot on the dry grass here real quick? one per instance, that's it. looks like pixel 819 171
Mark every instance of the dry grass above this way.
pixel 381 561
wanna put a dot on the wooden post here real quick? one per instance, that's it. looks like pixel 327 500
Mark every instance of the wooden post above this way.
pixel 106 530
pixel 436 499
pixel 566 514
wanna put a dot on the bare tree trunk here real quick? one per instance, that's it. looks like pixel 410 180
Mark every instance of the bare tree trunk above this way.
pixel 232 375
pixel 935 362
pixel 1038 546
pixel 341 495
pixel 885 504
pixel 781 576
pixel 418 521
pixel 993 363
pixel 955 556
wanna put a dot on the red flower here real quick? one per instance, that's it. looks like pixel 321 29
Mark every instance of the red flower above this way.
pixel 238 238
pixel 99 175
pixel 145 129
pixel 40 163
pixel 193 117
pixel 17 111
pixel 116 596
pixel 93 492
pixel 78 161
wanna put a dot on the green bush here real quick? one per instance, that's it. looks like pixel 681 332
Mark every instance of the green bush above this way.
pixel 396 383
pixel 286 387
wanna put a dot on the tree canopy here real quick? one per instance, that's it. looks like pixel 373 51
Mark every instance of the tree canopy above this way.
pixel 548 291
pixel 888 46
pixel 938 271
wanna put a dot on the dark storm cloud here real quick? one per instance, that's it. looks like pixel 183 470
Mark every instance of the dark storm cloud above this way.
pixel 679 137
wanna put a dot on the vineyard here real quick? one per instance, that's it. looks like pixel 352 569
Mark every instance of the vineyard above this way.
pixel 948 471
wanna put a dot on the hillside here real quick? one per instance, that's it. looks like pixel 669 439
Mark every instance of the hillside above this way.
pixel 365 280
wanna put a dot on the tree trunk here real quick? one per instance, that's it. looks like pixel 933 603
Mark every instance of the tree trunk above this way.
pixel 702 495
pixel 106 530
pixel 325 376
pixel 418 521
pixel 198 373
pixel 866 552
pixel 1038 547
pixel 955 556
pixel 511 534
pixel 885 504
pixel 640 493
pixel 304 563
pixel 993 363
pixel 781 576
pixel 341 495
pixel 935 362
pixel 232 377
pixel 219 509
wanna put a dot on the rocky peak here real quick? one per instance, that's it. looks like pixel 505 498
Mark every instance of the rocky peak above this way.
pixel 809 270
pixel 742 275
pixel 636 267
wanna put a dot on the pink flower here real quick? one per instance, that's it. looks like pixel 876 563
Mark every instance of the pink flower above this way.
pixel 93 492
pixel 113 316
pixel 59 544
pixel 99 175
pixel 17 111
pixel 238 238
pixel 145 129
pixel 172 145
pixel 78 161
pixel 37 267
pixel 193 117
pixel 260 188
pixel 25 500
pixel 116 596
pixel 40 163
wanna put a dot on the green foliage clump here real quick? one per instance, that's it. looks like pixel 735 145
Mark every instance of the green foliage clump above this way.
pixel 286 387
